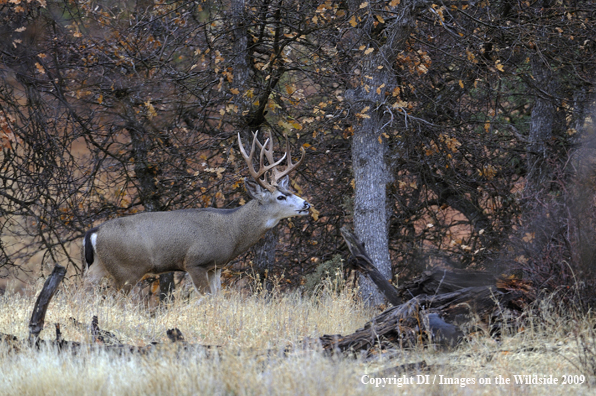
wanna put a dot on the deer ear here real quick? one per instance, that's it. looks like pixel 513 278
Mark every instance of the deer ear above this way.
pixel 284 184
pixel 253 189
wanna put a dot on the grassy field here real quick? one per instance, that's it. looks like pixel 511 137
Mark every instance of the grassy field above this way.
pixel 253 330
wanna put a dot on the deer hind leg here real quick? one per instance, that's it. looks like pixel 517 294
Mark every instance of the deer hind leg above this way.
pixel 94 274
pixel 125 278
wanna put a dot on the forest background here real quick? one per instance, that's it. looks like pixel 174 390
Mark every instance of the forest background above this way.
pixel 446 133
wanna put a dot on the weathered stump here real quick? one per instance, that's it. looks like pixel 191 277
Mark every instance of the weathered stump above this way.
pixel 41 305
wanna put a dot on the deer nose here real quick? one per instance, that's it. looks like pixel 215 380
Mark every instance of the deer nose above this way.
pixel 306 205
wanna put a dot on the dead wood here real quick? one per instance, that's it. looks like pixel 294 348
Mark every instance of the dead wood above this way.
pixel 175 335
pixel 364 264
pixel 408 368
pixel 425 318
pixel 41 305
pixel 101 336
pixel 439 281
pixel 436 303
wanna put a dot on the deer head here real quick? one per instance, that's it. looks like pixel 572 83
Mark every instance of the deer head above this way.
pixel 271 185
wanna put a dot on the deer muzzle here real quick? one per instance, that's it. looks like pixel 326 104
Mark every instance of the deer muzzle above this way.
pixel 305 210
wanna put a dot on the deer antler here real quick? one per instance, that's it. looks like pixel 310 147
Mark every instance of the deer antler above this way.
pixel 277 175
pixel 266 149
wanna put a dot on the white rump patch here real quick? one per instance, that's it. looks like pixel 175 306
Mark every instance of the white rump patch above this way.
pixel 93 240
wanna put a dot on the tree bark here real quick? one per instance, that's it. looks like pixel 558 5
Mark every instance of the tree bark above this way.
pixel 364 264
pixel 144 171
pixel 166 285
pixel 370 202
pixel 542 124
pixel 369 144
pixel 264 258
pixel 264 250
pixel 240 62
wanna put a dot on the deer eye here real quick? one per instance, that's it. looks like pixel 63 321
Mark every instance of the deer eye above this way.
pixel 281 198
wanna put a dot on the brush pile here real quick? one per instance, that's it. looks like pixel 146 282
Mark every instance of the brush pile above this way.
pixel 434 308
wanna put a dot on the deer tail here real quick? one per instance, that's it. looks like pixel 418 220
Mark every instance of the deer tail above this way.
pixel 89 243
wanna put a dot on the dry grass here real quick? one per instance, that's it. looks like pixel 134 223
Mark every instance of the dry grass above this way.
pixel 247 326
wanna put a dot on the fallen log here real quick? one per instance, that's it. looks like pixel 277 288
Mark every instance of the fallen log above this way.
pixel 404 326
pixel 425 319
pixel 436 303
pixel 442 280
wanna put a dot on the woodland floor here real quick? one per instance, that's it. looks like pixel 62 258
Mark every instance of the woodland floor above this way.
pixel 261 351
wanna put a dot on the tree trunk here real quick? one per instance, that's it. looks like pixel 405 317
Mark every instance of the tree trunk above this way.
pixel 241 70
pixel 264 256
pixel 370 203
pixel 371 174
pixel 144 172
pixel 542 126
pixel 166 285
pixel 264 250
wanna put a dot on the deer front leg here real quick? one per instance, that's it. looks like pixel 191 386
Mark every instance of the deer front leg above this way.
pixel 200 278
pixel 214 280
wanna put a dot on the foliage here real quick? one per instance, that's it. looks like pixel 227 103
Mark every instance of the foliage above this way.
pixel 111 108
pixel 327 275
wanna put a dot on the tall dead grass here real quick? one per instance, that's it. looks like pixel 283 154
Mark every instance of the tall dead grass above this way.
pixel 253 331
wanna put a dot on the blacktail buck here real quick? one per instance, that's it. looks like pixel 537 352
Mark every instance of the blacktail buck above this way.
pixel 198 241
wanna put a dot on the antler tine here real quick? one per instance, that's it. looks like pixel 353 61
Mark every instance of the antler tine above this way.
pixel 268 151
pixel 277 174
pixel 248 159
pixel 262 169
pixel 261 153
pixel 269 154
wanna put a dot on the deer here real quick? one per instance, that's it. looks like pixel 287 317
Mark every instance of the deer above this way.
pixel 199 241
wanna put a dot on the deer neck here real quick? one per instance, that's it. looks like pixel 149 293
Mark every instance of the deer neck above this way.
pixel 252 222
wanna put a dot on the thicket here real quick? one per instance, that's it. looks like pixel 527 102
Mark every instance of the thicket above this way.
pixel 480 115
